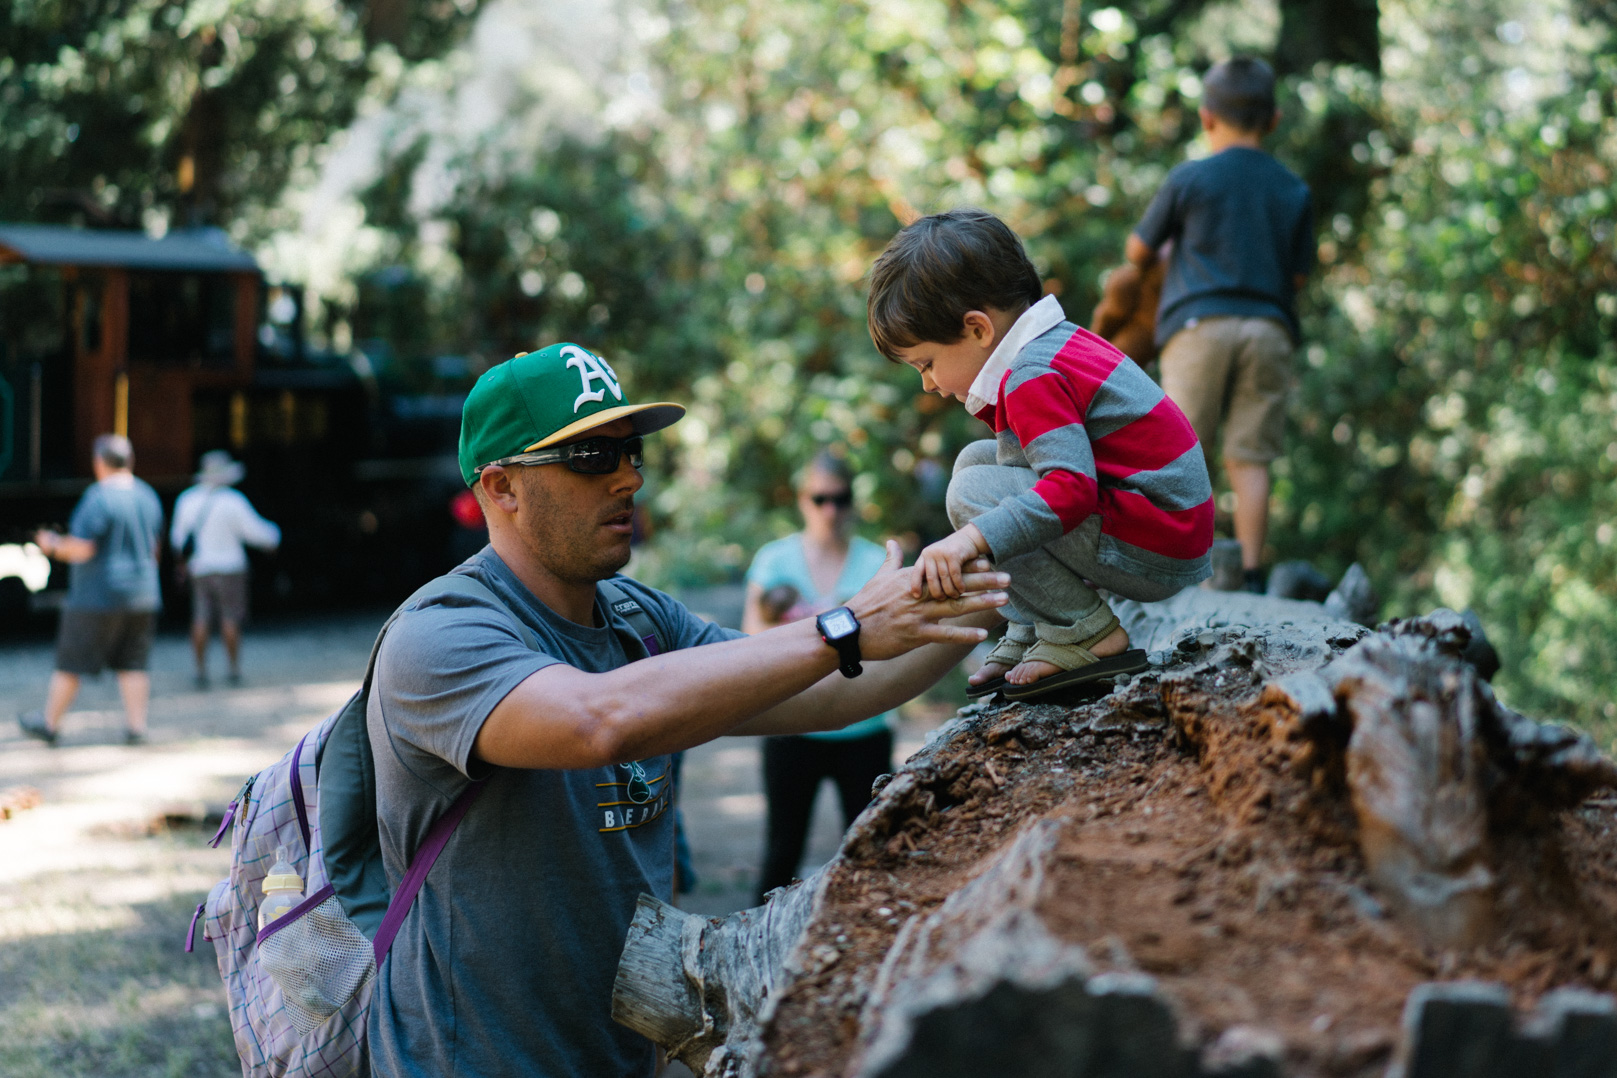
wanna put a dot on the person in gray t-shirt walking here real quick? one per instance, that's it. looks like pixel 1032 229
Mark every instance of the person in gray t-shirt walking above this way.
pixel 112 598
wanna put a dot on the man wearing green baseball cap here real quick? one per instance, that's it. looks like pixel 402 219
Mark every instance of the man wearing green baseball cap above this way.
pixel 564 688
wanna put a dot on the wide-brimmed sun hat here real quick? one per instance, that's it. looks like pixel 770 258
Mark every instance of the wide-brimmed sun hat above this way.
pixel 218 469
pixel 538 399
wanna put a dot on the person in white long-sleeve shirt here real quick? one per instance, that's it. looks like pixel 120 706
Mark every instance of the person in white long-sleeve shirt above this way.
pixel 219 522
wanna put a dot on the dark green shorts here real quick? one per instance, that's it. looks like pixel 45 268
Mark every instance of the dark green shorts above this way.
pixel 89 641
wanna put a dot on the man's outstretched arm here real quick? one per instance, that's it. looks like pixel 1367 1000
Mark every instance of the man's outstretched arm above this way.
pixel 562 717
pixel 835 701
pixel 64 547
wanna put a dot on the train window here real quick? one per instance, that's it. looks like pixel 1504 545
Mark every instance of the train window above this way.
pixel 33 315
pixel 184 318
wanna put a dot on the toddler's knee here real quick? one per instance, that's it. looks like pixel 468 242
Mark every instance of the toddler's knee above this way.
pixel 962 510
pixel 982 451
pixel 971 492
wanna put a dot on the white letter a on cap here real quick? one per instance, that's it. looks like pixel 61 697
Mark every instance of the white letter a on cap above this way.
pixel 591 369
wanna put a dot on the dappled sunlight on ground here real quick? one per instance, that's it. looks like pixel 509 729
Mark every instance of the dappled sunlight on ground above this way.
pixel 748 806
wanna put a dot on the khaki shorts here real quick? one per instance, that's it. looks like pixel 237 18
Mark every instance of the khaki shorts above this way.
pixel 89 641
pixel 1236 371
pixel 219 597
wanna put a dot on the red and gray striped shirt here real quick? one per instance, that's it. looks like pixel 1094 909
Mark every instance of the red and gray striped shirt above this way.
pixel 1103 439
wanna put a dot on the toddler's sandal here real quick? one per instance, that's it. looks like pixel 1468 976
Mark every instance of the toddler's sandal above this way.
pixel 1007 653
pixel 1079 666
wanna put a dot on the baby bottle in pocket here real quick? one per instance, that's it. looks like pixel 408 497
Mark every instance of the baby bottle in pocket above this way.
pixel 283 890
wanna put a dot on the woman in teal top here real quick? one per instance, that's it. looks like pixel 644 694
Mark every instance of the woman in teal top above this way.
pixel 825 565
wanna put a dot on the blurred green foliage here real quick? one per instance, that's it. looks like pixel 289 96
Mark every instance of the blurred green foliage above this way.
pixel 1453 423
pixel 162 113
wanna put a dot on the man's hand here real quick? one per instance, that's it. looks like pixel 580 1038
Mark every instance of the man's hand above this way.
pixel 896 615
pixel 941 566
pixel 64 548
pixel 1137 252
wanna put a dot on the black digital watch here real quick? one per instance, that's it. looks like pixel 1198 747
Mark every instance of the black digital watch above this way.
pixel 840 629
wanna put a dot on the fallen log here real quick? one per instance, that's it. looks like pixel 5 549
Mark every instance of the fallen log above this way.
pixel 980 986
pixel 696 985
pixel 1257 850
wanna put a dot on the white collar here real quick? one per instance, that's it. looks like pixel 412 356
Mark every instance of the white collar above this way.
pixel 1034 322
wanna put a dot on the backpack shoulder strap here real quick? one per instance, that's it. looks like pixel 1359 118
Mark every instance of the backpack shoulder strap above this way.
pixel 646 639
pixel 348 823
pixel 449 584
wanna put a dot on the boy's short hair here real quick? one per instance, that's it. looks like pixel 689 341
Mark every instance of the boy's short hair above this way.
pixel 938 268
pixel 1241 92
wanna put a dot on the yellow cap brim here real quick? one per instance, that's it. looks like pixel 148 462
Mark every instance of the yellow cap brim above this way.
pixel 647 418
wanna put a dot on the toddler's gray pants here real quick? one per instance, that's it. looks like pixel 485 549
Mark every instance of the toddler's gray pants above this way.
pixel 1048 591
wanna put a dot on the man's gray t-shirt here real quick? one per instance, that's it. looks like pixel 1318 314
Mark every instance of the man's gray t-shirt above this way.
pixel 504 965
pixel 1243 229
pixel 122 516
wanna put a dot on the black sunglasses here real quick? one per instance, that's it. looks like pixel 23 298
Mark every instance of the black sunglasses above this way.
pixel 592 456
pixel 841 500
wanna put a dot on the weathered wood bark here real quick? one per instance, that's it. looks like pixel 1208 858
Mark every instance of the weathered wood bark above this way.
pixel 697 985
pixel 980 985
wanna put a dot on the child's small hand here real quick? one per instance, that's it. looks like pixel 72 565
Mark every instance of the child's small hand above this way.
pixel 943 563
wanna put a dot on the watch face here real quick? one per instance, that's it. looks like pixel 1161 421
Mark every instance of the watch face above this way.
pixel 839 622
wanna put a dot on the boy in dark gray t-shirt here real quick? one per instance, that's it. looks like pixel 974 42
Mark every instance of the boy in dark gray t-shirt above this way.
pixel 1242 229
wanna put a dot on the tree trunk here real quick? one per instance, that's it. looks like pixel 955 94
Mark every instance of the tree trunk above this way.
pixel 1280 704
pixel 1329 31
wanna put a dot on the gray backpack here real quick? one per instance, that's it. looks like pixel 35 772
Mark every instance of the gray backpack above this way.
pixel 300 987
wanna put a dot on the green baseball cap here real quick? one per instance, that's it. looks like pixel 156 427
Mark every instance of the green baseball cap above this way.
pixel 540 398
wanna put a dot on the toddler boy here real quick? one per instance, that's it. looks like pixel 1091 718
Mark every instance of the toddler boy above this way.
pixel 1094 478
pixel 1242 227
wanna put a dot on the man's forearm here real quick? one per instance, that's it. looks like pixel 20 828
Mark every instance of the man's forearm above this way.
pixel 562 717
pixel 66 548
pixel 836 701
pixel 662 704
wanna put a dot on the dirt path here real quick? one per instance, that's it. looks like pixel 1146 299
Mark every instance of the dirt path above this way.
pixel 98 879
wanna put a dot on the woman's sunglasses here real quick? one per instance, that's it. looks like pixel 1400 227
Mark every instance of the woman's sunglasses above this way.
pixel 592 456
pixel 841 500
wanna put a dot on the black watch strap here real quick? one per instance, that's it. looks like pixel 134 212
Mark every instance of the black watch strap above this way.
pixel 840 629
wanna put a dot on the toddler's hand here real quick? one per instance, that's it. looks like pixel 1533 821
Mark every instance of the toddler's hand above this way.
pixel 943 563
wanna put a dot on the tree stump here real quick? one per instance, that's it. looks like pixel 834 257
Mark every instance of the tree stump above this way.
pixel 1240 862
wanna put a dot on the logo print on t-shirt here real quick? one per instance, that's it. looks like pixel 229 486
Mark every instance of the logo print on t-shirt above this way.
pixel 635 801
pixel 591 369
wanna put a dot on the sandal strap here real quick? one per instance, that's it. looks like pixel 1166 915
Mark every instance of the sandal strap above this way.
pixel 1007 652
pixel 1111 626
pixel 1061 656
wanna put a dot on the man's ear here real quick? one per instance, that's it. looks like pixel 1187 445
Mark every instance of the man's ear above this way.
pixel 498 489
pixel 1209 119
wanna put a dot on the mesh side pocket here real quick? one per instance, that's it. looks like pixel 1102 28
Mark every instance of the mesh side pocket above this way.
pixel 319 961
